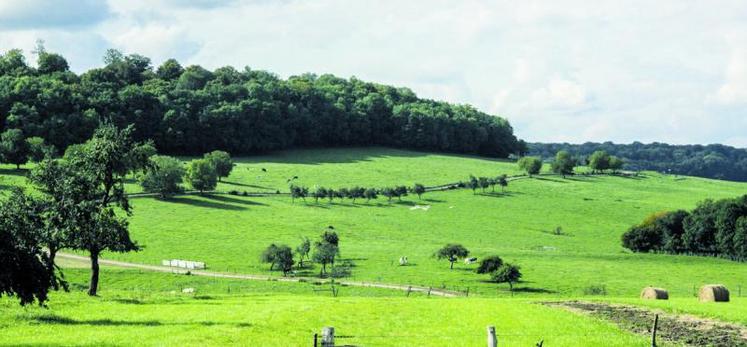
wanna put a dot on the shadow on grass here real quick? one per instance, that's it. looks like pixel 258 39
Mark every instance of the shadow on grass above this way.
pixel 14 172
pixel 499 194
pixel 55 319
pixel 203 203
pixel 533 290
pixel 232 200
pixel 247 185
pixel 548 179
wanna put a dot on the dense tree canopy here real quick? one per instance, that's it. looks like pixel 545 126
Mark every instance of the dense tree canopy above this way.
pixel 713 161
pixel 193 110
pixel 717 228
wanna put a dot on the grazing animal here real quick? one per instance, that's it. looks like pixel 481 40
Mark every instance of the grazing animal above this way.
pixel 470 260
pixel 403 261
pixel 188 290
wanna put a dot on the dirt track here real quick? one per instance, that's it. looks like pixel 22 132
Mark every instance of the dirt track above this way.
pixel 159 268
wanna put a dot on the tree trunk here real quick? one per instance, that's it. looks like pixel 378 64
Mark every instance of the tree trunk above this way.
pixel 18 166
pixel 50 266
pixel 451 267
pixel 94 286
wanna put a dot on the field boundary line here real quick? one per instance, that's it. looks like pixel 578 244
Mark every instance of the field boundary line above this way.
pixel 168 269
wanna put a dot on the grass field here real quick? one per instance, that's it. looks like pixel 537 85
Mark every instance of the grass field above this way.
pixel 229 232
pixel 149 308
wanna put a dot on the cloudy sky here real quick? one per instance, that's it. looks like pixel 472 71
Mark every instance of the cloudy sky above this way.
pixel 670 71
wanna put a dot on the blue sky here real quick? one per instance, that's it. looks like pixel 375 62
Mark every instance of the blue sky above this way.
pixel 669 71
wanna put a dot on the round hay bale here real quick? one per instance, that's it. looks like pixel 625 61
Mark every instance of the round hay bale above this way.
pixel 713 293
pixel 652 293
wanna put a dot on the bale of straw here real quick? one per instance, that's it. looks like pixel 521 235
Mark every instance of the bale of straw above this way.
pixel 713 293
pixel 652 293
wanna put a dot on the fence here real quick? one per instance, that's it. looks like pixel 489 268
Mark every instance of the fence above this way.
pixel 328 338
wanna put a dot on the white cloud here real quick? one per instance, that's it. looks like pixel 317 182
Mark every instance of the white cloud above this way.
pixel 558 70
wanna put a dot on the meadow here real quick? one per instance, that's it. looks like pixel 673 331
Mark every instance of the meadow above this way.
pixel 229 232
pixel 149 308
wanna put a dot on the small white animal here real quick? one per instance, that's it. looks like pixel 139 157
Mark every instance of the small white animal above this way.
pixel 402 261
pixel 188 290
pixel 469 260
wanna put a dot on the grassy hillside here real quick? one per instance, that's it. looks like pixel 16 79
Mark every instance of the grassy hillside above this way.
pixel 150 308
pixel 229 232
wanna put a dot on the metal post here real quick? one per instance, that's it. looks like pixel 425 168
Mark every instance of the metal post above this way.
pixel 328 337
pixel 653 333
pixel 492 339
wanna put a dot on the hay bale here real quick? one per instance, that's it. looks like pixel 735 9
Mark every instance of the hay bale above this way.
pixel 713 293
pixel 652 293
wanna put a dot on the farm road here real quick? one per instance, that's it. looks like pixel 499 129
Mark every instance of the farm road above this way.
pixel 159 268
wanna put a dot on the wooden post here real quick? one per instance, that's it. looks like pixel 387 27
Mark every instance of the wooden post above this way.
pixel 467 292
pixel 653 333
pixel 328 337
pixel 409 289
pixel 316 340
pixel 431 288
pixel 492 339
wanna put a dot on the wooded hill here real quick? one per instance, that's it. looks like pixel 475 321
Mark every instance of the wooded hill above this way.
pixel 193 110
pixel 712 161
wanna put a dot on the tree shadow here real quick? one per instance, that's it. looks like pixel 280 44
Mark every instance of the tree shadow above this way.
pixel 228 199
pixel 499 194
pixel 55 319
pixel 345 155
pixel 556 180
pixel 533 290
pixel 433 200
pixel 246 185
pixel 14 172
pixel 204 203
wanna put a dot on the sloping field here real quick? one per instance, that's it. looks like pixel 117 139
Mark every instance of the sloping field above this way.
pixel 229 232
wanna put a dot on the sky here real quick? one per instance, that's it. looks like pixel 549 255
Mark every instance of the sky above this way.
pixel 559 71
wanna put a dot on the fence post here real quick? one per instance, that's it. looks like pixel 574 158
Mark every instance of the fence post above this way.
pixel 653 333
pixel 316 339
pixel 492 340
pixel 328 337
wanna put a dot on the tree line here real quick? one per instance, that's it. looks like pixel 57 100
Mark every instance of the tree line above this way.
pixel 564 163
pixel 713 228
pixel 712 161
pixel 191 110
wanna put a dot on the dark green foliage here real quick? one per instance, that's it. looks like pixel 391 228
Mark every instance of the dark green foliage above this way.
pixel 326 250
pixel 389 193
pixel 319 193
pixel 164 175
pixel 715 228
pixel 24 273
pixel 473 184
pixel 532 165
pixel 303 250
pixel 222 162
pixel 298 192
pixel 483 182
pixel 507 273
pixel 563 163
pixel 400 191
pixel 281 255
pixel 713 161
pixel 599 161
pixel 418 189
pixel 370 193
pixel 38 149
pixel 503 182
pixel 192 110
pixel 615 164
pixel 13 147
pixel 452 252
pixel 201 175
pixel 489 264
pixel 642 239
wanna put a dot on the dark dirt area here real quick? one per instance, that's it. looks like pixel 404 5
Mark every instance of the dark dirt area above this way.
pixel 677 329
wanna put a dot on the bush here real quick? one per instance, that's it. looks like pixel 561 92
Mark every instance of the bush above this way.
pixel 595 289
pixel 489 264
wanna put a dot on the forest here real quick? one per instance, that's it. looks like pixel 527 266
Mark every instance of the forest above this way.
pixel 191 110
pixel 711 161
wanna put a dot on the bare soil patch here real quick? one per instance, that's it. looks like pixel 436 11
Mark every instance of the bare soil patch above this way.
pixel 678 329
